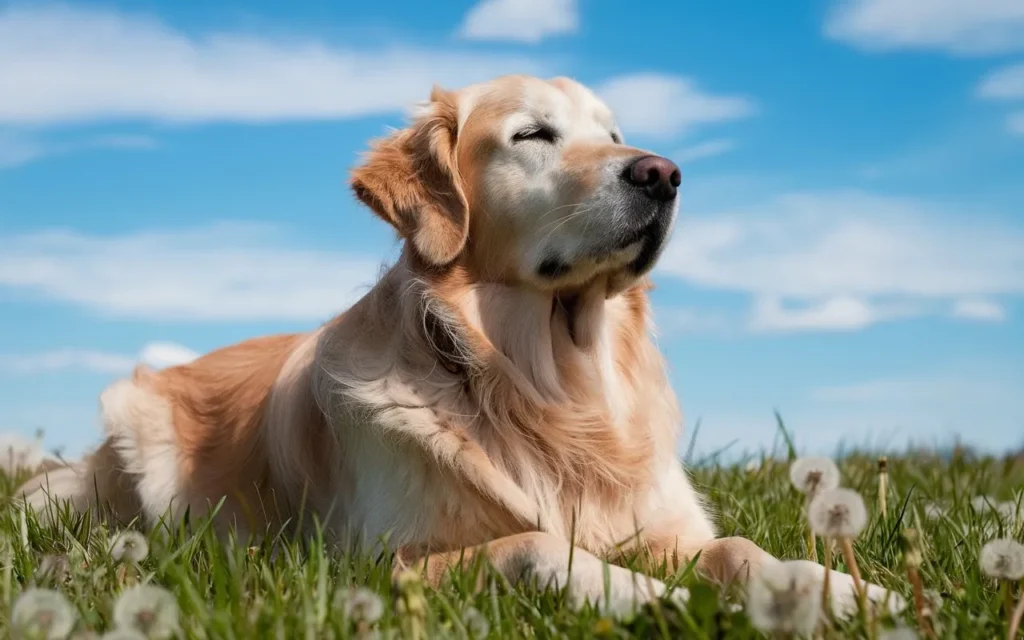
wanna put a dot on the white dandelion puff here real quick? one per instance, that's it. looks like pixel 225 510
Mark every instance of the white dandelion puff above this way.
pixel 934 511
pixel 54 567
pixel 129 546
pixel 680 596
pixel 814 475
pixel 838 513
pixel 785 597
pixel 1008 511
pixel 982 504
pixel 1003 558
pixel 361 605
pixel 477 625
pixel 149 609
pixel 42 613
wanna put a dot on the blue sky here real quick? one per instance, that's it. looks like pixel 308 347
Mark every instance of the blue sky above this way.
pixel 851 243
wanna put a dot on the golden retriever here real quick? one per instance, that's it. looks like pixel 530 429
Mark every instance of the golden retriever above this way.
pixel 497 389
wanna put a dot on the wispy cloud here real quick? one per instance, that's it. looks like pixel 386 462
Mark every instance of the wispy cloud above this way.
pixel 1015 123
pixel 166 354
pixel 65 359
pixel 972 28
pixel 19 148
pixel 1003 84
pixel 655 104
pixel 848 259
pixel 703 150
pixel 683 320
pixel 156 354
pixel 226 272
pixel 528 21
pixel 61 64
pixel 979 309
pixel 836 313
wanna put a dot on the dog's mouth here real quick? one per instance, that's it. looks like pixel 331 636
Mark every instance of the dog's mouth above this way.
pixel 626 257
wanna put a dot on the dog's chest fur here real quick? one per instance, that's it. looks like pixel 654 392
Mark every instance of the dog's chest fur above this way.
pixel 531 433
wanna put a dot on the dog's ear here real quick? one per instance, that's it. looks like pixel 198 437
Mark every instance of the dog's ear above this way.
pixel 411 180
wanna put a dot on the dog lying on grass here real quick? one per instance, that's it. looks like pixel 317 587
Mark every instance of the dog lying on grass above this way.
pixel 497 390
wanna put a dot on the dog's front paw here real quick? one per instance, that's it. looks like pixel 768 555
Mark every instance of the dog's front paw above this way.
pixel 615 590
pixel 843 595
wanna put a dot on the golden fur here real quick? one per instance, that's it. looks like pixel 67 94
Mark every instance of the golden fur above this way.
pixel 462 401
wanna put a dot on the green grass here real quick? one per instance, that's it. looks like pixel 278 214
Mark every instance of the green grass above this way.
pixel 227 590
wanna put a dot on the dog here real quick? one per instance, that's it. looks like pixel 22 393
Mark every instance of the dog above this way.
pixel 497 392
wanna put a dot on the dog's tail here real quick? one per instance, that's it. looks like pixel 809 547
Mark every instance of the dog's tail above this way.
pixel 101 478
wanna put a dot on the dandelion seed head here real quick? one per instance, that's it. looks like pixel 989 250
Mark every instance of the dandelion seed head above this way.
pixel 54 567
pixel 42 613
pixel 149 609
pixel 934 511
pixel 360 605
pixel 814 475
pixel 476 624
pixel 838 513
pixel 1008 511
pixel 1003 558
pixel 129 546
pixel 785 597
pixel 982 504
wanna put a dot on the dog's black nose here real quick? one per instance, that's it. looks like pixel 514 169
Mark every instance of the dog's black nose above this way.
pixel 658 177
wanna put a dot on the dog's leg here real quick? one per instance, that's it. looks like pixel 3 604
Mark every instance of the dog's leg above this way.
pixel 546 559
pixel 728 560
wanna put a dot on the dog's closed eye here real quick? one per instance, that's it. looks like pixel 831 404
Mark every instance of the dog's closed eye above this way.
pixel 539 133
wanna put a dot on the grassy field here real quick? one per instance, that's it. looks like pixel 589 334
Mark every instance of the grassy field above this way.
pixel 226 590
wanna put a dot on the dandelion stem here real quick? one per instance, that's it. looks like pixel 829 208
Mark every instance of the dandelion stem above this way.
pixel 825 594
pixel 883 476
pixel 1018 613
pixel 919 602
pixel 851 561
pixel 1007 598
pixel 812 543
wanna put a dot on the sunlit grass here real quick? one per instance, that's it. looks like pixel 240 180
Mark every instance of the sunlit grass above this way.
pixel 283 589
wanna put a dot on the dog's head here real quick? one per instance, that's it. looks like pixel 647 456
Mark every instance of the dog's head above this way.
pixel 525 181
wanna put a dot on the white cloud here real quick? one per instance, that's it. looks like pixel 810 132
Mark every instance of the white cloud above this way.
pixel 1015 123
pixel 677 320
pixel 979 309
pixel 846 259
pixel 527 21
pixel 166 354
pixel 957 26
pixel 654 104
pixel 1005 84
pixel 158 355
pixel 703 150
pixel 225 272
pixel 917 389
pixel 837 313
pixel 66 359
pixel 19 148
pixel 61 64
